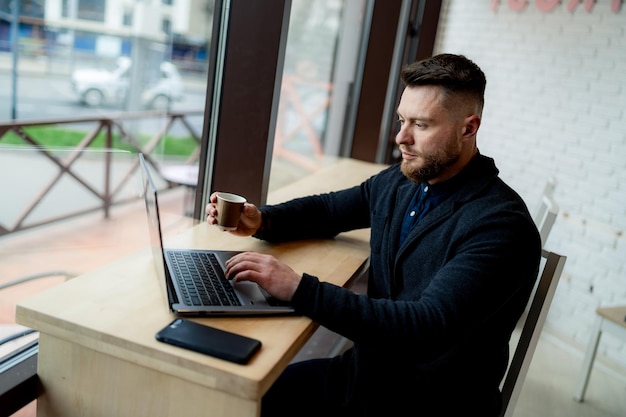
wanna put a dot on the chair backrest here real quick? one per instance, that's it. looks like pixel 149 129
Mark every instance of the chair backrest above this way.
pixel 533 321
pixel 547 210
pixel 545 217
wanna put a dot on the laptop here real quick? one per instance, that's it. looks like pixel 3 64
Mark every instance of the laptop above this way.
pixel 193 281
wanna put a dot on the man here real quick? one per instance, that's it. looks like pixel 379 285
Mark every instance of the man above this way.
pixel 454 256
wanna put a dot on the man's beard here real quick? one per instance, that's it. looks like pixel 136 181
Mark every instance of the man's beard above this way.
pixel 433 166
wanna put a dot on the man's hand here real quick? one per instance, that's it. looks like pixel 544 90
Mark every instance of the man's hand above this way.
pixel 249 221
pixel 269 273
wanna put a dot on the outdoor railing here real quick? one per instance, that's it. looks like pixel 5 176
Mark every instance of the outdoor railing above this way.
pixel 106 127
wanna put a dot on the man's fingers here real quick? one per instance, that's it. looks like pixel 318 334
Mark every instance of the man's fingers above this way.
pixel 240 266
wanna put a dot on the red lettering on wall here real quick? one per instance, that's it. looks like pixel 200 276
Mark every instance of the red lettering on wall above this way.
pixel 547 5
pixel 616 5
pixel 573 3
pixel 518 5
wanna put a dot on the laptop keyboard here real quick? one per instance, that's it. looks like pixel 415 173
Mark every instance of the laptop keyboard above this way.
pixel 201 279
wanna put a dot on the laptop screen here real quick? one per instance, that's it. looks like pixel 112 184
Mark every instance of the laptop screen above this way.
pixel 156 239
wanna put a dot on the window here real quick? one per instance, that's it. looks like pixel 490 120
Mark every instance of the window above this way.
pixel 127 19
pixel 91 10
pixel 166 27
pixel 320 65
pixel 79 75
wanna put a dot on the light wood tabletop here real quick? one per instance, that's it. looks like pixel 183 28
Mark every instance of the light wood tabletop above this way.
pixel 97 352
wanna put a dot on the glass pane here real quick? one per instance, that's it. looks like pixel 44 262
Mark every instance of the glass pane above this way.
pixel 74 94
pixel 320 65
pixel 76 59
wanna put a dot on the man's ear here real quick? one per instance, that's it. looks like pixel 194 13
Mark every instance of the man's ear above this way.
pixel 472 123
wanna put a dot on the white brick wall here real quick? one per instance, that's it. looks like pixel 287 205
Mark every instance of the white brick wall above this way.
pixel 556 106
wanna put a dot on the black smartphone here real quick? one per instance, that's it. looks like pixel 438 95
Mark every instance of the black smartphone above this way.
pixel 209 340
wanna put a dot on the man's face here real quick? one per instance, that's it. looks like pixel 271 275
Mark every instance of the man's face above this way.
pixel 430 135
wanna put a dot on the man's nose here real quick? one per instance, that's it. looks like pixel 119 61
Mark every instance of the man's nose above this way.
pixel 402 137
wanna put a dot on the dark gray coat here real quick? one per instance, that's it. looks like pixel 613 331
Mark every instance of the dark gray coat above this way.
pixel 433 331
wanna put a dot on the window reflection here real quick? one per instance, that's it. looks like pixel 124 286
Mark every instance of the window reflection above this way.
pixel 310 95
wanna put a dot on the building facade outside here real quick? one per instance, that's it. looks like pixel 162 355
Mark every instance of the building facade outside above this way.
pixel 106 28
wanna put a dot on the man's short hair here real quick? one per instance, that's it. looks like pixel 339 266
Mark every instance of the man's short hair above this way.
pixel 456 74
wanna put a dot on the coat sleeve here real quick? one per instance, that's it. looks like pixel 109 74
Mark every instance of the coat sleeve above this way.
pixel 317 216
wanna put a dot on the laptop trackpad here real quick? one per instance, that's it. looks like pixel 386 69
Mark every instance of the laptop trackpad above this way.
pixel 253 294
pixel 250 293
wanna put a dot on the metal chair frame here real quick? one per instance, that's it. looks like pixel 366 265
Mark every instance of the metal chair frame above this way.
pixel 533 323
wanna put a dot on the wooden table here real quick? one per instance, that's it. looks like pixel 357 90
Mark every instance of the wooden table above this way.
pixel 97 351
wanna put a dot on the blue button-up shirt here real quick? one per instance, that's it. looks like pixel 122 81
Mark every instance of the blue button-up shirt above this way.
pixel 426 198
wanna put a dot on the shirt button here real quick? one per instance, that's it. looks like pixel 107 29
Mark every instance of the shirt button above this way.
pixel 412 213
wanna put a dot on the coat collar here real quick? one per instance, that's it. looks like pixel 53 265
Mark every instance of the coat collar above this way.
pixel 477 175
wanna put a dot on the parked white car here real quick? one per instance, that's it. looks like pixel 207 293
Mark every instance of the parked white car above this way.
pixel 96 87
